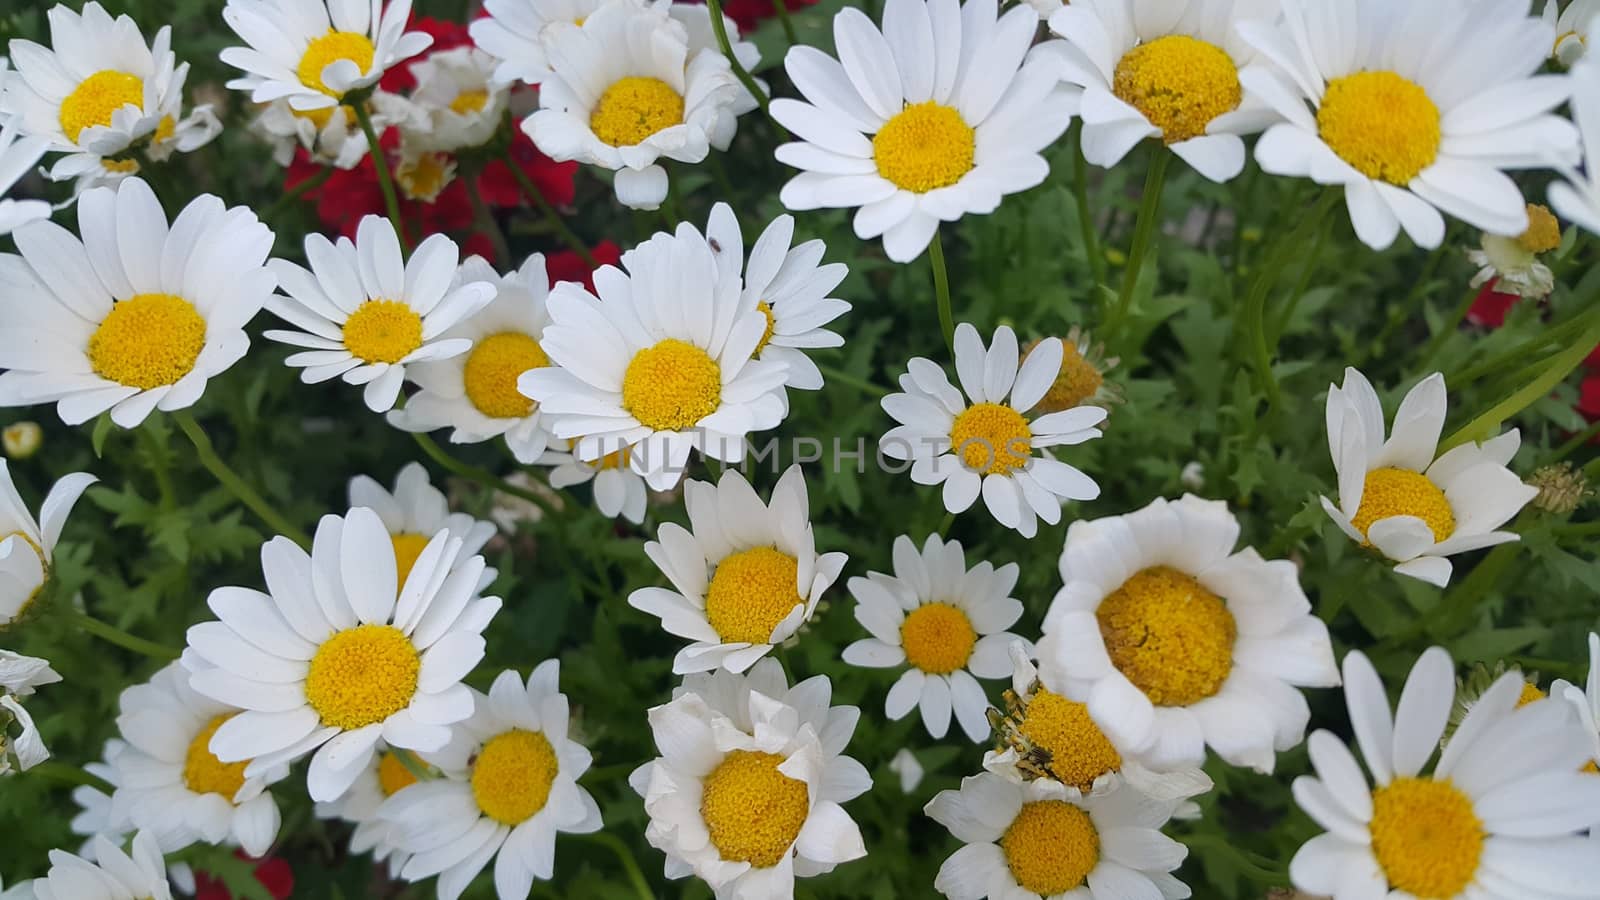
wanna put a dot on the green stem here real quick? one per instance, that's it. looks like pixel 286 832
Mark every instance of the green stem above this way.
pixel 296 192
pixel 158 467
pixel 108 632
pixel 782 9
pixel 860 384
pixel 1143 233
pixel 719 27
pixel 563 230
pixel 485 219
pixel 473 473
pixel 380 164
pixel 1555 334
pixel 1255 306
pixel 1282 322
pixel 1248 863
pixel 1080 194
pixel 65 773
pixel 624 856
pixel 941 290
pixel 236 485
pixel 1580 528
pixel 1447 328
pixel 1552 372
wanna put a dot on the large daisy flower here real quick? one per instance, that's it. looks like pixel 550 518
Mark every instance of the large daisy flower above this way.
pixel 1396 497
pixel 618 490
pixel 938 115
pixel 339 653
pixel 662 361
pixel 1578 198
pixel 475 393
pixel 1176 642
pixel 1574 27
pixel 747 792
pixel 384 776
pixel 1390 99
pixel 513 32
pixel 1036 839
pixel 17 156
pixel 111 875
pixel 26 543
pixel 985 442
pixel 314 52
pixel 510 785
pixel 455 104
pixel 745 576
pixel 135 316
pixel 1496 819
pixel 367 313
pixel 945 623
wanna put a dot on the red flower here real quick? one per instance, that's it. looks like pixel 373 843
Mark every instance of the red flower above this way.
pixel 569 266
pixel 1491 307
pixel 1589 396
pixel 554 179
pixel 1593 359
pixel 751 13
pixel 446 36
pixel 273 873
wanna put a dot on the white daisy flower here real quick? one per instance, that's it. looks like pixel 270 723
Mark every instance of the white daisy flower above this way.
pixel 986 442
pixel 1573 27
pixel 1586 701
pixel 475 393
pixel 1496 819
pixel 367 313
pixel 1142 69
pixel 618 490
pixel 662 361
pixel 135 316
pixel 1037 839
pixel 456 104
pixel 27 544
pixel 385 776
pixel 1512 263
pixel 513 32
pixel 172 786
pixel 1176 642
pixel 414 513
pixel 330 135
pixel 25 749
pixel 19 674
pixel 314 52
pixel 1396 497
pixel 111 875
pixel 17 156
pixel 1403 114
pixel 330 660
pixel 1577 199
pixel 940 114
pixel 624 91
pixel 510 786
pixel 746 794
pixel 745 575
pixel 945 623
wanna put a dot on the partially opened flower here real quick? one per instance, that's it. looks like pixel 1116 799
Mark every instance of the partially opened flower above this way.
pixel 110 875
pixel 29 543
pixel 329 136
pixel 1512 264
pixel 1574 27
pixel 513 31
pixel 21 746
pixel 17 156
pixel 455 103
pixel 618 490
pixel 1577 199
pixel 20 675
pixel 1082 378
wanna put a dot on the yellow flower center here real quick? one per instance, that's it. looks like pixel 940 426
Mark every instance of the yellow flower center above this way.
pixel 635 108
pixel 512 775
pixel 1426 837
pixel 1078 381
pixel 1380 123
pixel 924 147
pixel 393 776
pixel 203 773
pixel 95 98
pixel 470 101
pixel 1402 492
pixel 362 675
pixel 492 369
pixel 751 591
pixel 1079 752
pixel 617 459
pixel 382 331
pixel 1544 231
pixel 1051 847
pixel 766 336
pixel 992 438
pixel 1179 83
pixel 753 811
pixel 422 177
pixel 1530 694
pixel 1168 635
pixel 147 341
pixel 330 48
pixel 938 638
pixel 408 545
pixel 671 386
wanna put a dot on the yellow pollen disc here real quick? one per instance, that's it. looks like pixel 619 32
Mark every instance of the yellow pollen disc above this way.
pixel 751 591
pixel 1591 767
pixel 671 386
pixel 147 341
pixel 1179 83
pixel 330 48
pixel 408 545
pixel 633 109
pixel 938 638
pixel 382 331
pixel 203 773
pixel 992 438
pixel 1168 635
pixel 1380 123
pixel 614 460
pixel 1402 492
pixel 491 373
pixel 512 775
pixel 766 336
pixel 753 811
pixel 1530 694
pixel 393 776
pixel 470 101
pixel 1078 381
pixel 924 147
pixel 1051 847
pixel 1544 231
pixel 1079 751
pixel 362 675
pixel 95 98
pixel 1426 837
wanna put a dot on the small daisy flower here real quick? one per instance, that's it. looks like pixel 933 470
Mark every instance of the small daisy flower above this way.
pixel 1586 701
pixel 475 393
pixel 746 794
pixel 17 156
pixel 985 442
pixel 1390 100
pixel 366 313
pixel 1082 379
pixel 1176 642
pixel 27 544
pixel 745 575
pixel 1394 496
pixel 945 623
pixel 1497 818
pixel 618 490
pixel 510 786
pixel 173 786
pixel 413 513
pixel 456 104
pixel 111 875
pixel 1162 70
pixel 1512 263
pixel 314 52
pixel 385 776
pixel 1573 26
pixel 135 316
pixel 1577 199
pixel 938 115
pixel 339 653
pixel 330 136
pixel 513 32
pixel 1038 840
